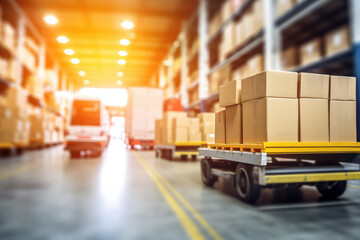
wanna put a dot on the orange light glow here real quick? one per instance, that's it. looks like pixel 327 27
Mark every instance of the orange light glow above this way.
pixel 69 52
pixel 75 61
pixel 123 53
pixel 127 24
pixel 121 62
pixel 62 39
pixel 50 20
pixel 124 42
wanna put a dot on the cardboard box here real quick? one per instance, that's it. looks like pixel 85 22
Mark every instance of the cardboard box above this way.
pixel 314 120
pixel 282 6
pixel 220 127
pixel 233 124
pixel 270 120
pixel 230 93
pixel 226 10
pixel 206 118
pixel 275 84
pixel 288 58
pixel 195 137
pixel 158 131
pixel 342 88
pixel 167 126
pixel 310 51
pixel 208 137
pixel 342 121
pixel 313 85
pixel 248 89
pixel 194 123
pixel 254 65
pixel 181 134
pixel 337 40
pixel 258 18
pixel 215 23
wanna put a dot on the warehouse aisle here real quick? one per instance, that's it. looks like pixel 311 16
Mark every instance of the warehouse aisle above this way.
pixel 132 195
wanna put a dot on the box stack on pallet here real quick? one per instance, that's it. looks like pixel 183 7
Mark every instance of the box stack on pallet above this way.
pixel 14 119
pixel 316 107
pixel 177 127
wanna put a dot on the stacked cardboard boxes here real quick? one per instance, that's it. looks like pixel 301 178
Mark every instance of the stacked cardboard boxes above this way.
pixel 278 106
pixel 177 127
pixel 14 124
pixel 337 40
pixel 342 118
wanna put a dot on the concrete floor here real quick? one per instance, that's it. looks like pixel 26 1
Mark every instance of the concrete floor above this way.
pixel 132 195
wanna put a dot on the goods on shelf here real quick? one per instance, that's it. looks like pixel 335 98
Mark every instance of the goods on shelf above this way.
pixel 176 64
pixel 14 124
pixel 219 77
pixel 8 36
pixel 9 69
pixel 282 6
pixel 279 106
pixel 337 40
pixel 35 86
pixel 207 127
pixel 51 78
pixel 28 59
pixel 288 58
pixel 310 51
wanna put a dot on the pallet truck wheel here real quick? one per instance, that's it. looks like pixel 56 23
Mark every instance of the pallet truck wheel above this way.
pixel 247 190
pixel 183 157
pixel 331 189
pixel 75 154
pixel 206 176
pixel 157 154
pixel 170 155
pixel 193 157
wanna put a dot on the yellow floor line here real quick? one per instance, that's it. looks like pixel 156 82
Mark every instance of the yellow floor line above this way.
pixel 191 209
pixel 18 171
pixel 188 224
pixel 354 186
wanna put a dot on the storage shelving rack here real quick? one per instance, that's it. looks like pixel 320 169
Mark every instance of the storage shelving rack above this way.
pixel 305 20
pixel 12 13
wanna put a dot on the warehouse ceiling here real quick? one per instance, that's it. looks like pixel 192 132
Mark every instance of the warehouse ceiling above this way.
pixel 94 30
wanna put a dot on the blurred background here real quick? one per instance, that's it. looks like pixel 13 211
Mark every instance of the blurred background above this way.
pixel 82 82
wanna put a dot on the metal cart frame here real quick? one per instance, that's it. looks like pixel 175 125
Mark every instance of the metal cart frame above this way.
pixel 181 149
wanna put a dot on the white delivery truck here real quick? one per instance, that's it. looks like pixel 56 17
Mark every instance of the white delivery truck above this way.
pixel 144 106
pixel 88 126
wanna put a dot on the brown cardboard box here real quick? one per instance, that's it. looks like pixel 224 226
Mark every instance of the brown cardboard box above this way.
pixel 194 123
pixel 310 51
pixel 313 85
pixel 342 88
pixel 247 25
pixel 288 58
pixel 337 40
pixel 248 89
pixel 282 6
pixel 226 10
pixel 342 121
pixel 229 93
pixel 195 137
pixel 254 65
pixel 270 120
pixel 206 117
pixel 258 12
pixel 275 84
pixel 208 137
pixel 215 23
pixel 158 134
pixel 314 120
pixel 181 134
pixel 167 126
pixel 220 129
pixel 233 124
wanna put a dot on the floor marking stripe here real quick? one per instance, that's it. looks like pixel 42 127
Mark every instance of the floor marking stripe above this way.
pixel 17 171
pixel 195 213
pixel 185 220
pixel 354 186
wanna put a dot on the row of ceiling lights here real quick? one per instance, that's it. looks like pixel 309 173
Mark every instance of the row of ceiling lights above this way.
pixel 52 20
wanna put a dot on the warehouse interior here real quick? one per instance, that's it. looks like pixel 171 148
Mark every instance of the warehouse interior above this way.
pixel 182 119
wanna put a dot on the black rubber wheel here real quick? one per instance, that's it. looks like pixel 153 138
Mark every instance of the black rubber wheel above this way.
pixel 193 157
pixel 331 189
pixel 157 153
pixel 75 154
pixel 183 157
pixel 206 176
pixel 170 155
pixel 247 190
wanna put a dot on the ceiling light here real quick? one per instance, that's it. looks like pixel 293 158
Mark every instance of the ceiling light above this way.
pixel 118 82
pixel 121 62
pixel 86 82
pixel 50 19
pixel 123 53
pixel 127 24
pixel 82 73
pixel 75 61
pixel 166 62
pixel 69 52
pixel 124 42
pixel 62 39
pixel 120 74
